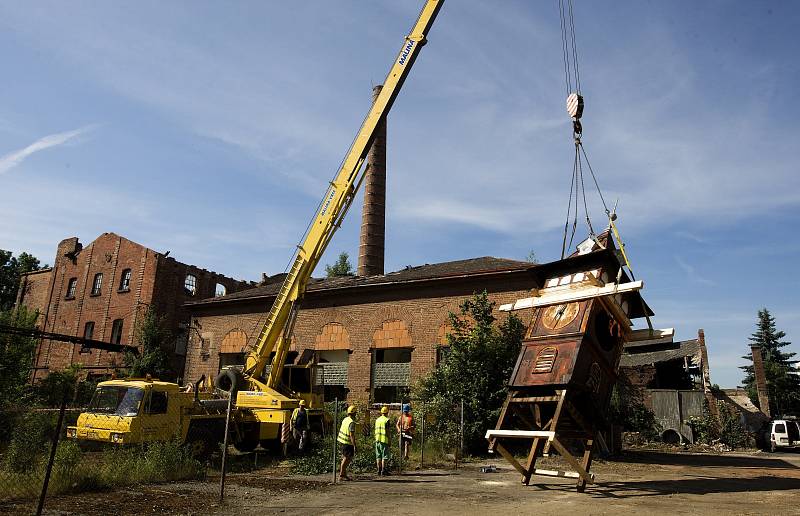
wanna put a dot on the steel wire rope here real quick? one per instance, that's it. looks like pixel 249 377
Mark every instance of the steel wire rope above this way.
pixel 574 50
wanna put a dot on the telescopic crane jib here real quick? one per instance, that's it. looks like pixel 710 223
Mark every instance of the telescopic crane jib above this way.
pixel 257 391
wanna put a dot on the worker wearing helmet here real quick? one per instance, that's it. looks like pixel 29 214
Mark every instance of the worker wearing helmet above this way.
pixel 405 427
pixel 347 441
pixel 300 425
pixel 382 441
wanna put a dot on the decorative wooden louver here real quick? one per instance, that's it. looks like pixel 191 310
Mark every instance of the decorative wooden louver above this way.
pixel 545 360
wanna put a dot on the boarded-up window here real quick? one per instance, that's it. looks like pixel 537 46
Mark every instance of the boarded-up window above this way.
pixel 393 334
pixel 333 336
pixel 234 342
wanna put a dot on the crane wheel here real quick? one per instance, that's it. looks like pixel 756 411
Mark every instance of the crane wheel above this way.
pixel 200 443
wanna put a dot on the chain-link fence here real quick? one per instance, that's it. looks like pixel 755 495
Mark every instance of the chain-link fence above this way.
pixel 173 456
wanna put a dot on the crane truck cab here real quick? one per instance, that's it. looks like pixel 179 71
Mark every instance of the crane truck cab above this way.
pixel 144 410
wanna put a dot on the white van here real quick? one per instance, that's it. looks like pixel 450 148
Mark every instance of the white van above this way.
pixel 783 433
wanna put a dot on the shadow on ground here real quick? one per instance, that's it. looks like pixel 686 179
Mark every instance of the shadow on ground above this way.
pixel 702 460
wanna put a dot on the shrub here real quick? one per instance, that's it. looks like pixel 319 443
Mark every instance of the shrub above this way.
pixel 727 429
pixel 316 460
pixel 28 441
pixel 629 411
pixel 476 368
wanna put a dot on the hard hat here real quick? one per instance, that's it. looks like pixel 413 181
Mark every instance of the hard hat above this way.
pixel 407 408
pixel 302 403
pixel 351 409
pixel 384 409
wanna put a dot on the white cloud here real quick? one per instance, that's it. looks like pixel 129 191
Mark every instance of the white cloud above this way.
pixel 12 159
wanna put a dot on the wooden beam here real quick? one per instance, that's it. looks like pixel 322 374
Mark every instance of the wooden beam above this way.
pixel 553 473
pixel 519 434
pixel 572 461
pixel 511 460
pixel 578 294
pixel 647 334
pixel 534 399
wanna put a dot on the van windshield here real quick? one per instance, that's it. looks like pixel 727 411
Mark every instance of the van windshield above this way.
pixel 120 401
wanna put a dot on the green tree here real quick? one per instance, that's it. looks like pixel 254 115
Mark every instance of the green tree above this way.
pixel 342 267
pixel 16 356
pixel 150 336
pixel 782 385
pixel 475 368
pixel 11 268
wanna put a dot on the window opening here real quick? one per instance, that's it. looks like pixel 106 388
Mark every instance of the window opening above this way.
pixel 190 285
pixel 97 284
pixel 116 331
pixel 125 280
pixel 71 286
pixel 88 330
pixel 220 290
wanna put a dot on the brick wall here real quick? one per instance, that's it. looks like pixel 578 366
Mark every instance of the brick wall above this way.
pixel 33 290
pixel 151 282
pixel 420 310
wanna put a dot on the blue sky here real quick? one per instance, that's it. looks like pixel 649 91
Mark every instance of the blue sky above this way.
pixel 210 129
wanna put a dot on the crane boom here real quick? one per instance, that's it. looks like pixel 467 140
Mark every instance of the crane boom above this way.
pixel 275 333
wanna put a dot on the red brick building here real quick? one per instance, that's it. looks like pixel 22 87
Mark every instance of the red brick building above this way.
pixel 101 290
pixel 373 335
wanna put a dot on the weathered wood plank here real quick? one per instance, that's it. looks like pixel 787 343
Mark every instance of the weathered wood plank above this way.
pixel 510 458
pixel 578 294
pixel 572 461
pixel 519 434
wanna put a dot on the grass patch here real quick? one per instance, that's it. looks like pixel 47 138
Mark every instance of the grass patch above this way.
pixel 318 456
pixel 75 471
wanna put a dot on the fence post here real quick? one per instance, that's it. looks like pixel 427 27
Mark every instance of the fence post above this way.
pixel 461 445
pixel 53 448
pixel 422 438
pixel 225 450
pixel 334 433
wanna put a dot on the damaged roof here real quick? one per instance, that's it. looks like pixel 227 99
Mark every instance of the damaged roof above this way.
pixel 634 357
pixel 436 271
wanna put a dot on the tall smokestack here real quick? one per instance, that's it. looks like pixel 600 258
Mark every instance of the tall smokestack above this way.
pixel 373 218
pixel 761 379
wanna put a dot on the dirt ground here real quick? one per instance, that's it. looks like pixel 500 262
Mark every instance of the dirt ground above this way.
pixel 639 482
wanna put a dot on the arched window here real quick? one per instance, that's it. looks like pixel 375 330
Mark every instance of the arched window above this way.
pixel 220 290
pixel 393 334
pixel 190 285
pixel 125 280
pixel 332 336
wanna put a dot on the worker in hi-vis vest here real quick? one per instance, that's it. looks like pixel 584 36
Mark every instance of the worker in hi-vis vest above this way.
pixel 347 441
pixel 300 426
pixel 382 441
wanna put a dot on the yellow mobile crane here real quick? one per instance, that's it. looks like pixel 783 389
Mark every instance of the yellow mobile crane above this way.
pixel 270 404
pixel 263 404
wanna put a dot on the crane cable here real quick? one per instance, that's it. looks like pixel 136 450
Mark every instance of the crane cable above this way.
pixel 575 107
pixel 577 187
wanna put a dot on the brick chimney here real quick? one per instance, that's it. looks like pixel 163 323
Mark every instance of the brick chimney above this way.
pixel 373 218
pixel 761 379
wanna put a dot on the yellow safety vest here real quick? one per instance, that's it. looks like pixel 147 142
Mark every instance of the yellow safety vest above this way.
pixel 344 431
pixel 381 427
